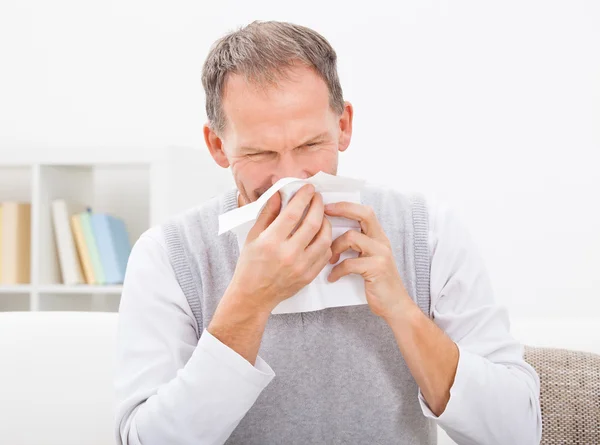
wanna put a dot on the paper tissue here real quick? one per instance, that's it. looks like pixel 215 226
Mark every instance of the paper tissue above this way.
pixel 319 294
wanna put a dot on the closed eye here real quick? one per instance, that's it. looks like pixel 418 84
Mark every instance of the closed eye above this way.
pixel 263 155
pixel 309 145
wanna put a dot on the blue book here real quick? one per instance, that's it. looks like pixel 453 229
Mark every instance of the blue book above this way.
pixel 113 246
pixel 122 245
pixel 106 250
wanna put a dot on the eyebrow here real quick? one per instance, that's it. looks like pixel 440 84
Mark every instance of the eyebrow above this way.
pixel 313 139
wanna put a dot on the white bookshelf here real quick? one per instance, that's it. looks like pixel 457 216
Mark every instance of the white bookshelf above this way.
pixel 143 186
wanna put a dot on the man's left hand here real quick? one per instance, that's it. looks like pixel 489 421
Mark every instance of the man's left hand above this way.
pixel 385 291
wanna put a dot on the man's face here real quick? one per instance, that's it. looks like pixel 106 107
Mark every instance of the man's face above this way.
pixel 275 132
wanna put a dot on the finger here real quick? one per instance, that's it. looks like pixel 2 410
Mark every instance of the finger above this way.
pixel 266 217
pixel 289 217
pixel 319 264
pixel 311 224
pixel 358 212
pixel 349 266
pixel 321 243
pixel 356 241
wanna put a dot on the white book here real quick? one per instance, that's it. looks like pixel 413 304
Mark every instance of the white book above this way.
pixel 70 266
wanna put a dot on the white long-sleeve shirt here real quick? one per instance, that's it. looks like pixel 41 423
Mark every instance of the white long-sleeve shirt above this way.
pixel 171 371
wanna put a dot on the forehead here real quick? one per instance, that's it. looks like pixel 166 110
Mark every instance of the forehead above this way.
pixel 299 102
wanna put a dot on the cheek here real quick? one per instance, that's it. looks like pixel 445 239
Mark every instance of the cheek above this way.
pixel 251 174
pixel 323 160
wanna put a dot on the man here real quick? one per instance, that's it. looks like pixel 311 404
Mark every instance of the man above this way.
pixel 203 361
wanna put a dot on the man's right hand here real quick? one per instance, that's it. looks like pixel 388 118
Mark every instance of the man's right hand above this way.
pixel 275 263
pixel 281 255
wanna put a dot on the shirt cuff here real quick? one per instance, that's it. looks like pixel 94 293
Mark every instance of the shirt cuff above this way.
pixel 452 416
pixel 259 375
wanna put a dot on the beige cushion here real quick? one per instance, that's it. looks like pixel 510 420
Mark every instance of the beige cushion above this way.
pixel 569 394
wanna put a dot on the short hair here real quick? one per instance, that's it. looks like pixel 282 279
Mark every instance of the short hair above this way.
pixel 263 52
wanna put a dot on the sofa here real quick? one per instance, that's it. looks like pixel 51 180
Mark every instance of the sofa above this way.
pixel 57 368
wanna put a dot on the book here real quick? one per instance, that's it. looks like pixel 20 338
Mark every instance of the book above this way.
pixel 92 246
pixel 68 259
pixel 101 226
pixel 113 246
pixel 122 244
pixel 82 250
pixel 16 243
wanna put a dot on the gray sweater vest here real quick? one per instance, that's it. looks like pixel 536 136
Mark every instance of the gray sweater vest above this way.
pixel 340 377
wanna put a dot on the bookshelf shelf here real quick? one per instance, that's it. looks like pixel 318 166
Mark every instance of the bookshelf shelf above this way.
pixel 141 185
pixel 17 289
pixel 59 289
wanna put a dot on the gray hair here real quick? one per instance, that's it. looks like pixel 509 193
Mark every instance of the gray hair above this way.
pixel 263 52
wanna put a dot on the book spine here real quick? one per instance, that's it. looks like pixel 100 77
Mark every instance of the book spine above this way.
pixel 82 250
pixel 67 255
pixel 90 241
pixel 102 234
pixel 16 243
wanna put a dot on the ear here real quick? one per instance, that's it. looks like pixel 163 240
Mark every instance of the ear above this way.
pixel 215 146
pixel 345 126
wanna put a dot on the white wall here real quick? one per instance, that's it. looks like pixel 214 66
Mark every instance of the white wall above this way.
pixel 494 106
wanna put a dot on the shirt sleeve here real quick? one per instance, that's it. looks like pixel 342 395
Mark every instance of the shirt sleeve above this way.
pixel 494 398
pixel 170 386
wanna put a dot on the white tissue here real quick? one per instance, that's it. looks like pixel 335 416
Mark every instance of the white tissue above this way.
pixel 320 293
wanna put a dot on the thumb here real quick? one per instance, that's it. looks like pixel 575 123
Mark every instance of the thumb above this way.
pixel 266 216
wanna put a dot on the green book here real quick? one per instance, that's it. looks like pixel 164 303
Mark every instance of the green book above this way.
pixel 90 241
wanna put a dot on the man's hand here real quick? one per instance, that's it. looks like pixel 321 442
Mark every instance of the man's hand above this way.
pixel 430 354
pixel 281 255
pixel 275 263
pixel 385 291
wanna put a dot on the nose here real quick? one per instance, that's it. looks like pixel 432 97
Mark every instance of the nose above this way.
pixel 289 167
